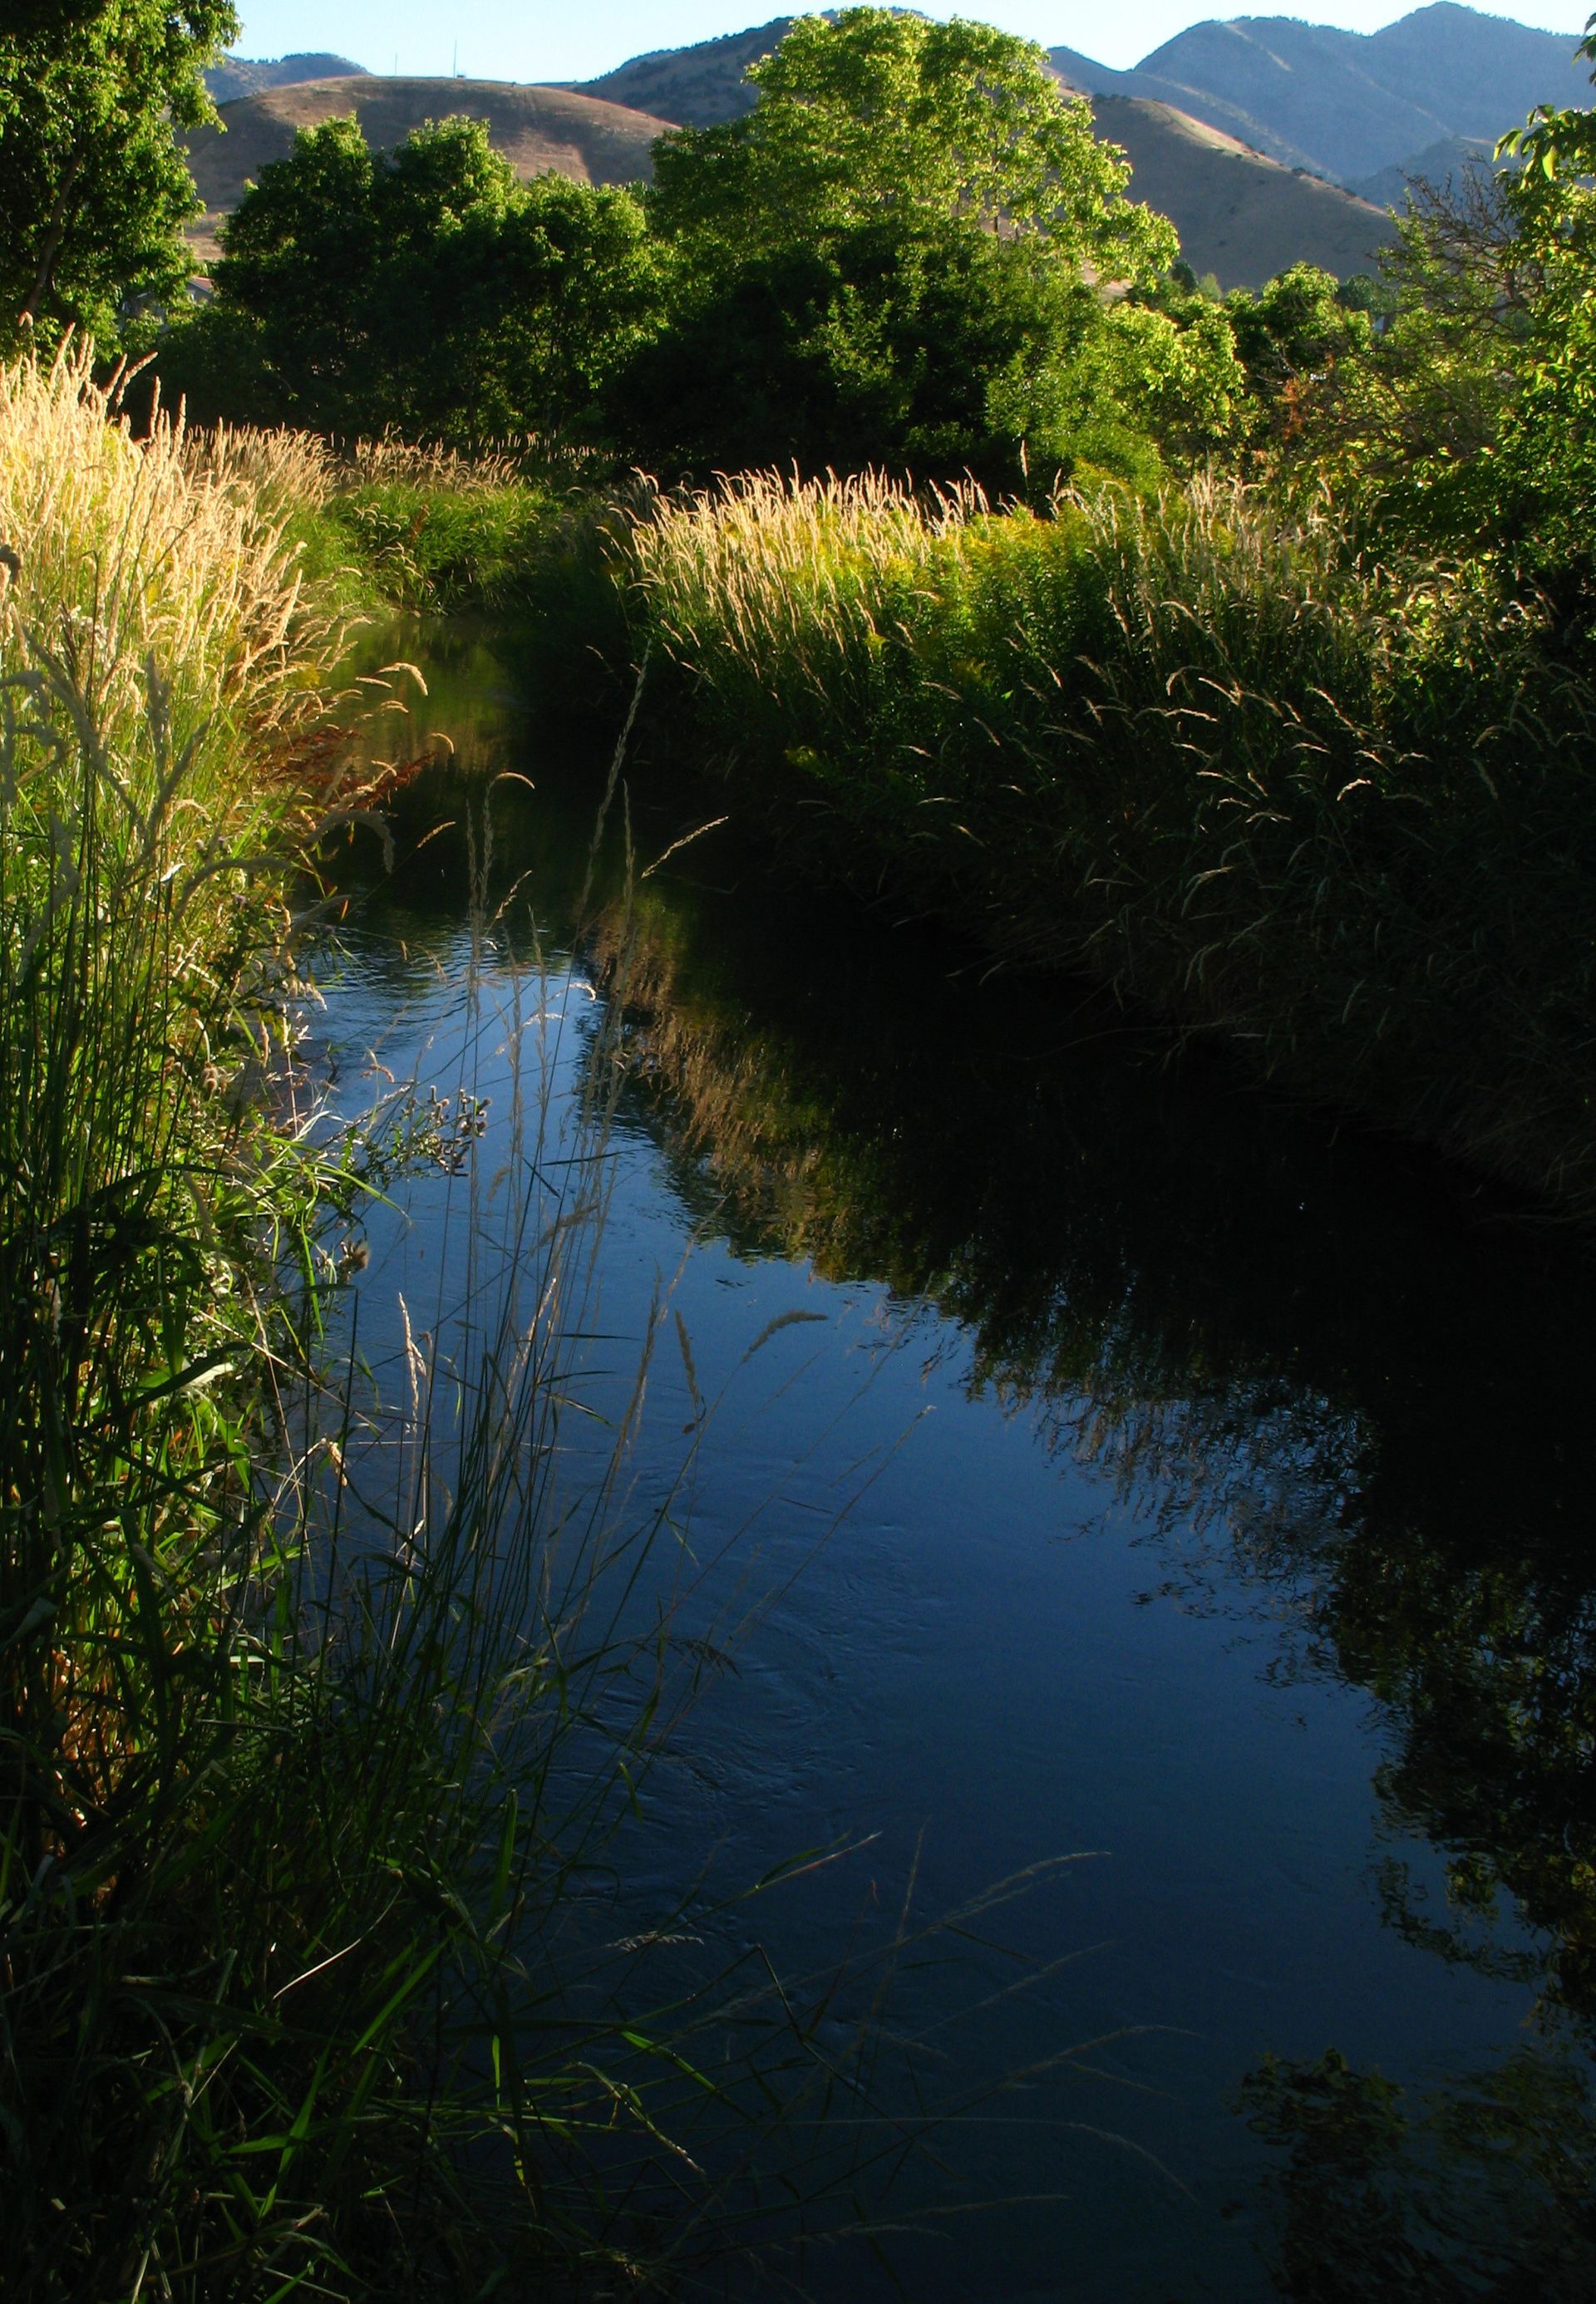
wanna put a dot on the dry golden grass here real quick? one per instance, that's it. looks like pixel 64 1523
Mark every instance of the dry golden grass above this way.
pixel 167 550
pixel 775 570
pixel 391 462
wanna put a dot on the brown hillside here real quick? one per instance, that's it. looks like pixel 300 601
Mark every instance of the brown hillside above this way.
pixel 1239 215
pixel 697 86
pixel 537 128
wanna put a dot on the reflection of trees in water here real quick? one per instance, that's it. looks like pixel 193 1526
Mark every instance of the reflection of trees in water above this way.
pixel 1481 2191
pixel 1374 1420
pixel 1369 1419
pixel 1010 1222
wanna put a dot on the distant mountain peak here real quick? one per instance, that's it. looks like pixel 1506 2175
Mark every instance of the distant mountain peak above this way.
pixel 1350 105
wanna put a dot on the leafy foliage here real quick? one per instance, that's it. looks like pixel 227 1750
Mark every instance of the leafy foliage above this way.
pixel 890 261
pixel 877 116
pixel 1551 449
pixel 938 350
pixel 1297 327
pixel 1465 423
pixel 94 183
pixel 423 287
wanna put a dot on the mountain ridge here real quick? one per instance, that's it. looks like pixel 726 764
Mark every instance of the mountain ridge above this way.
pixel 1265 139
pixel 702 81
pixel 1242 214
pixel 1347 105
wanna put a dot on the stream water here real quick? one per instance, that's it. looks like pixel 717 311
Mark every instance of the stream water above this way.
pixel 1159 1478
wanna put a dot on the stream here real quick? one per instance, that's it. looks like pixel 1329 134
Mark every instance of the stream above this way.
pixel 1159 1478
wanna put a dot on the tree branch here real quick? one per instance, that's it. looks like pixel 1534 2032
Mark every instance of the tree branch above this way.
pixel 61 215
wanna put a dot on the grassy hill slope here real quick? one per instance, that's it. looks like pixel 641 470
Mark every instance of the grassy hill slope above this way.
pixel 1239 215
pixel 236 76
pixel 696 87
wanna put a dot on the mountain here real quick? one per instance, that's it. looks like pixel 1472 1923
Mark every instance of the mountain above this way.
pixel 537 128
pixel 237 76
pixel 1241 214
pixel 1442 163
pixel 1348 105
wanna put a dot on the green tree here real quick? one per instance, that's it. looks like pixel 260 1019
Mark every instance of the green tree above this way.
pixel 1469 421
pixel 285 339
pixel 1407 424
pixel 423 289
pixel 876 115
pixel 1550 444
pixel 95 186
pixel 894 259
pixel 1298 325
pixel 935 348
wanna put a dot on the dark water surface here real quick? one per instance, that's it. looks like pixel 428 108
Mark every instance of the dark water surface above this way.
pixel 1159 1478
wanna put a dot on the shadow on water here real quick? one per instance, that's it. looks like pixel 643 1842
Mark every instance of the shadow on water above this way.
pixel 1335 1402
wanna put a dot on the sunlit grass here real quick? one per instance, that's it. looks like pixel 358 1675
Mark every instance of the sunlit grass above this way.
pixel 1216 756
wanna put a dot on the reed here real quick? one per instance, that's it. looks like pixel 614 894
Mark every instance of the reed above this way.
pixel 1259 781
pixel 162 675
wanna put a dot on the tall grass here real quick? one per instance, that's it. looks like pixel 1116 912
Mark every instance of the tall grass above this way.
pixel 161 677
pixel 428 528
pixel 319 1717
pixel 1343 812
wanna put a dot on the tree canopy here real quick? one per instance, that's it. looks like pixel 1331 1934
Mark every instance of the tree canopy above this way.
pixel 1468 419
pixel 876 115
pixel 423 287
pixel 95 186
pixel 1550 438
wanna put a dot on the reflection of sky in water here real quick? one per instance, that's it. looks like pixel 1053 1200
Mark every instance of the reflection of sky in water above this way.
pixel 891 1490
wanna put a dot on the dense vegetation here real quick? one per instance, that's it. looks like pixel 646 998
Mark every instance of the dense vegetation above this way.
pixel 94 188
pixel 1235 650
pixel 1343 812
pixel 313 1745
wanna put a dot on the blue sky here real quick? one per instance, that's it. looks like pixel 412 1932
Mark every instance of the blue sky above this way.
pixel 574 40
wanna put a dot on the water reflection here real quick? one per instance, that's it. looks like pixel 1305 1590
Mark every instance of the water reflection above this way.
pixel 1375 1412
pixel 1343 1403
pixel 1379 1418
